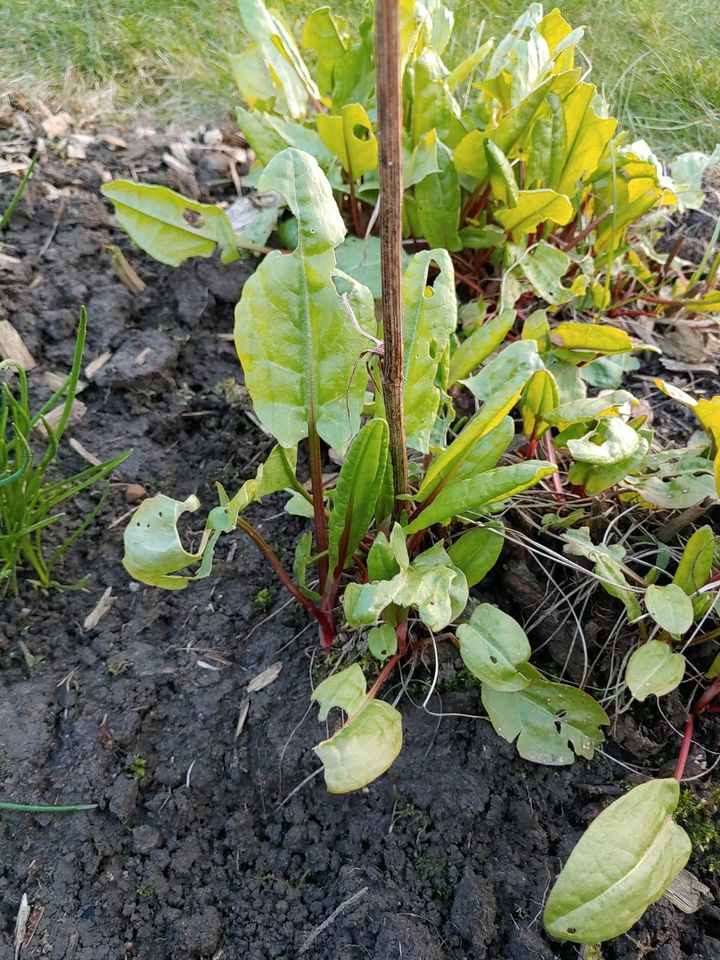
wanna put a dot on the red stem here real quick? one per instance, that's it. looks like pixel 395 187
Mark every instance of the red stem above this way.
pixel 703 705
pixel 550 452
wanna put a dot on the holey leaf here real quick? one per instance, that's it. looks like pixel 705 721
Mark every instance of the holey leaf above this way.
pixel 493 645
pixel 626 860
pixel 654 669
pixel 429 319
pixel 296 342
pixel 351 139
pixel 532 208
pixel 670 607
pixel 167 225
pixel 154 553
pixel 549 720
pixel 356 493
pixel 367 744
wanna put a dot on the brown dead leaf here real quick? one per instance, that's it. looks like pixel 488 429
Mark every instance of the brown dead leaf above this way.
pixel 12 346
pixel 99 610
pixel 265 678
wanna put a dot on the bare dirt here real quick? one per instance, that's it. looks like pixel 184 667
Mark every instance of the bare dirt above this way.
pixel 206 843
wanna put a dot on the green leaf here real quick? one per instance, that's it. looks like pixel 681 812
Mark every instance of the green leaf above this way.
pixel 502 178
pixel 493 645
pixel 626 860
pixel 382 560
pixel 695 567
pixel 544 269
pixel 590 408
pixel 617 441
pixel 539 396
pixel 429 319
pixel 360 258
pixel 438 202
pixel 370 740
pixel 480 344
pixel 654 669
pixel 500 383
pixel 670 607
pixel 350 138
pixel 534 207
pixel 167 225
pixel 714 670
pixel 302 560
pixel 470 496
pixel 356 493
pixel 468 65
pixel 295 340
pixel 277 473
pixel 362 750
pixel 477 551
pixel 382 641
pixel 278 50
pixel 326 35
pixel 423 161
pixel 154 553
pixel 472 452
pixel 268 134
pixel 430 583
pixel 549 720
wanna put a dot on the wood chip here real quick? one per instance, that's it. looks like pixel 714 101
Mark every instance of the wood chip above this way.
pixel 54 379
pixel 242 716
pixel 112 141
pixel 687 893
pixel 12 346
pixel 125 272
pixel 56 125
pixel 83 452
pixel 265 678
pixel 53 418
pixel 21 924
pixel 99 610
pixel 140 359
pixel 96 365
pixel 77 145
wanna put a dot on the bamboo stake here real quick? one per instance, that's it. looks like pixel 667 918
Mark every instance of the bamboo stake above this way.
pixel 387 60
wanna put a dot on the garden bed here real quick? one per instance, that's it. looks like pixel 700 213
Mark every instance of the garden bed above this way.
pixel 207 841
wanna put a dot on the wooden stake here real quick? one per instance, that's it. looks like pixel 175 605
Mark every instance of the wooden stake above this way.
pixel 389 102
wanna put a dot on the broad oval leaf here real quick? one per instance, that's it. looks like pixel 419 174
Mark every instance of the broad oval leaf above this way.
pixel 618 441
pixel 356 493
pixel 477 551
pixel 670 607
pixel 549 720
pixel 654 669
pixel 589 408
pixel 296 342
pixel 625 861
pixel 351 139
pixel 493 645
pixel 167 225
pixel 382 641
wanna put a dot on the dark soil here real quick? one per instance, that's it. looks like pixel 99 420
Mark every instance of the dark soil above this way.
pixel 208 844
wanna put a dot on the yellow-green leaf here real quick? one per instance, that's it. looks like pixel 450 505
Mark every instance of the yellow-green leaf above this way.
pixel 351 139
pixel 493 645
pixel 533 208
pixel 654 669
pixel 670 607
pixel 167 225
pixel 625 860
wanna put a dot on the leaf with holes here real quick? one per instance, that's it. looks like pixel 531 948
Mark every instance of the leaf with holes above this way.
pixel 167 225
pixel 493 646
pixel 549 720
pixel 382 641
pixel 429 319
pixel 654 669
pixel 369 741
pixel 350 138
pixel 625 860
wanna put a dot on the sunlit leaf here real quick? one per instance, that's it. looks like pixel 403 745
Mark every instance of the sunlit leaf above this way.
pixel 587 136
pixel 472 452
pixel 500 383
pixel 695 567
pixel 581 411
pixel 326 35
pixel 351 139
pixel 295 340
pixel 382 641
pixel 429 319
pixel 591 337
pixel 167 225
pixel 544 269
pixel 549 720
pixel 670 607
pixel 493 646
pixel 626 860
pixel 480 344
pixel 617 441
pixel 503 184
pixel 423 161
pixel 654 669
pixel 534 207
pixel 540 395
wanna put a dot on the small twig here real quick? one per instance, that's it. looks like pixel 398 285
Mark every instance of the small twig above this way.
pixel 326 923
pixel 44 248
pixel 356 323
